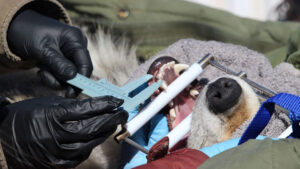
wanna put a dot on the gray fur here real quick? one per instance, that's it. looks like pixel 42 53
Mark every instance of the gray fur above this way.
pixel 207 127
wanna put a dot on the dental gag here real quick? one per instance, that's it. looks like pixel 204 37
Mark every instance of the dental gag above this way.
pixel 165 97
pixel 178 132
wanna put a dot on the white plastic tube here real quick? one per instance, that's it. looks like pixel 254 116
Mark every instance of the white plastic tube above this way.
pixel 286 132
pixel 164 98
pixel 179 131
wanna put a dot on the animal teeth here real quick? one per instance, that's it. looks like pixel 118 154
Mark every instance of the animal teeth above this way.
pixel 171 104
pixel 167 65
pixel 160 76
pixel 161 73
pixel 178 68
pixel 164 85
pixel 194 93
pixel 172 114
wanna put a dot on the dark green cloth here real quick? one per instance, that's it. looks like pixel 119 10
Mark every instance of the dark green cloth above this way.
pixel 155 24
pixel 258 154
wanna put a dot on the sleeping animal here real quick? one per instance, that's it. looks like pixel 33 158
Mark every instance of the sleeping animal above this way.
pixel 221 107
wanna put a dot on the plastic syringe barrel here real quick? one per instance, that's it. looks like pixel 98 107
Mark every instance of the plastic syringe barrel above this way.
pixel 164 98
pixel 180 131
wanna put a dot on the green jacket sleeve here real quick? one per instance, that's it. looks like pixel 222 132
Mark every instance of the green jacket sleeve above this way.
pixel 155 24
pixel 259 154
pixel 8 9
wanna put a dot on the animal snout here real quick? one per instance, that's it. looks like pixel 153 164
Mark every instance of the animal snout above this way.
pixel 223 94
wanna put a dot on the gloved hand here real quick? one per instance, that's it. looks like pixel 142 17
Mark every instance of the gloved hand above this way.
pixel 51 132
pixel 3 101
pixel 59 49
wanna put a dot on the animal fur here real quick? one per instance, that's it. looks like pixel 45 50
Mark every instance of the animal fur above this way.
pixel 116 62
pixel 208 127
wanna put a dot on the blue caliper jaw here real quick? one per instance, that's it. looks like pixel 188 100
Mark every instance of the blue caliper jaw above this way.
pixel 133 93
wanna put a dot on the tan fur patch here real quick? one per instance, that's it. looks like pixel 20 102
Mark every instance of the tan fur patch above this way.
pixel 235 120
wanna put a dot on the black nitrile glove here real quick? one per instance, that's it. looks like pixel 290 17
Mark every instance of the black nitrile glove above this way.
pixel 55 132
pixel 3 102
pixel 59 49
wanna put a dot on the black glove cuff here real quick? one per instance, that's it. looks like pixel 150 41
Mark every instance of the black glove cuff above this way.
pixel 3 101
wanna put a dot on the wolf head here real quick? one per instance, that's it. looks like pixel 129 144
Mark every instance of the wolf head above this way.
pixel 222 106
pixel 218 107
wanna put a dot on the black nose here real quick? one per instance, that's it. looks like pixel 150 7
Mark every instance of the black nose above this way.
pixel 223 94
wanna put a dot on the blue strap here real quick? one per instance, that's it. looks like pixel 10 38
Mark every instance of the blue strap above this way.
pixel 263 116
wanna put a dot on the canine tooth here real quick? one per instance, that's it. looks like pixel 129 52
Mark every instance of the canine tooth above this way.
pixel 172 114
pixel 160 75
pixel 171 104
pixel 194 93
pixel 170 64
pixel 179 67
pixel 164 85
pixel 167 65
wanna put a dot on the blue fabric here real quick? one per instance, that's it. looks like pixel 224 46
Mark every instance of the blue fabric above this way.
pixel 226 145
pixel 295 120
pixel 146 137
pixel 263 116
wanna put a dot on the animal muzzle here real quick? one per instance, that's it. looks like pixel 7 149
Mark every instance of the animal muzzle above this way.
pixel 223 94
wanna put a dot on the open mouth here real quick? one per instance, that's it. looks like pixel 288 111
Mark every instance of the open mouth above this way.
pixel 168 69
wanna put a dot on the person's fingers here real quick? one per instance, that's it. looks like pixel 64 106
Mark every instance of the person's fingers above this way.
pixel 48 79
pixel 74 153
pixel 87 147
pixel 72 92
pixel 81 58
pixel 75 48
pixel 57 64
pixel 79 131
pixel 82 61
pixel 3 101
pixel 87 108
pixel 92 128
pixel 109 123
